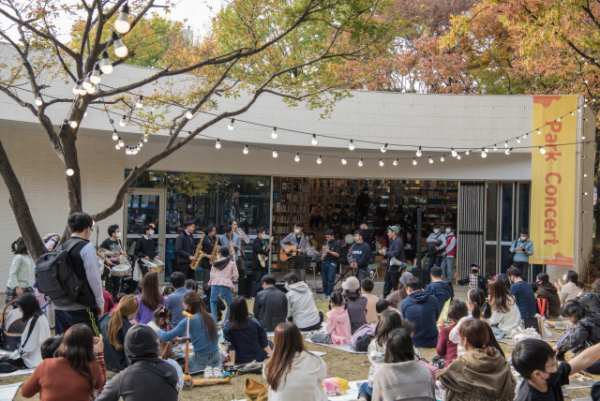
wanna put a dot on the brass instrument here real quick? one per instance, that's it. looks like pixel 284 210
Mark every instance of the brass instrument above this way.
pixel 232 249
pixel 213 255
pixel 324 250
pixel 199 254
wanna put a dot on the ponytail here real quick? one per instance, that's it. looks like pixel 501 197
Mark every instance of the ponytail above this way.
pixel 128 305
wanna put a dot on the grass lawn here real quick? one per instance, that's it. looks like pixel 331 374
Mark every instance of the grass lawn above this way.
pixel 341 364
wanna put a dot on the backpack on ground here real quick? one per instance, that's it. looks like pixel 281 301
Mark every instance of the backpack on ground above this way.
pixel 56 277
pixel 543 307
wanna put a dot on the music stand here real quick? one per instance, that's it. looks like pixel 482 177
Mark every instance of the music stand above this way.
pixel 299 262
pixel 344 274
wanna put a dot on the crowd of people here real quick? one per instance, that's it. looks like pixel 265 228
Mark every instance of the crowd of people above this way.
pixel 103 347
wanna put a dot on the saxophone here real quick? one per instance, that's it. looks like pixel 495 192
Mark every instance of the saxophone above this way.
pixel 199 254
pixel 213 255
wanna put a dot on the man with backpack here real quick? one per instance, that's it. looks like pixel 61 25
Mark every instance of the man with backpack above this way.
pixel 71 278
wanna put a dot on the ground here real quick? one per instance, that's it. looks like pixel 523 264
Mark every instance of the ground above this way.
pixel 340 364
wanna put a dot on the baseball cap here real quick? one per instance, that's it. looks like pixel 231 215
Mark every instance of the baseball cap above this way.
pixel 351 284
pixel 395 229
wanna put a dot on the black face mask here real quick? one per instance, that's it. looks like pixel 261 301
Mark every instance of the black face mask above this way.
pixel 474 271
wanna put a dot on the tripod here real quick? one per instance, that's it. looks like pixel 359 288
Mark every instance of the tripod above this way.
pixel 344 274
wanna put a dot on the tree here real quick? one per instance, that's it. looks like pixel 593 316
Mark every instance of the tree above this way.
pixel 285 48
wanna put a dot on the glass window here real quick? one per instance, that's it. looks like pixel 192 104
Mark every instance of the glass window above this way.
pixel 491 223
pixel 489 269
pixel 506 230
pixel 524 194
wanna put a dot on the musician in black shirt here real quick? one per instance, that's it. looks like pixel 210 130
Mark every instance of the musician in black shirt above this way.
pixel 258 270
pixel 331 252
pixel 185 249
pixel 145 248
pixel 208 245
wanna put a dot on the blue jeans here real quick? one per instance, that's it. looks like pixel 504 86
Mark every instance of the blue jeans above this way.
pixel 447 264
pixel 199 362
pixel 225 292
pixel 328 270
pixel 366 391
pixel 433 261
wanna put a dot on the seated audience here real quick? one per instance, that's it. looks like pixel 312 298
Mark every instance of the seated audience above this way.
pixel 301 304
pixel 586 331
pixel 270 304
pixel 367 286
pixel 109 302
pixel 523 293
pixel 49 347
pixel 475 279
pixel 203 336
pixel 222 275
pixel 173 301
pixel 191 285
pixel 482 373
pixel 293 373
pixel 570 290
pixel 543 377
pixel 356 305
pixel 505 313
pixel 402 376
pixel 337 325
pixel 548 292
pixel 439 288
pixel 74 372
pixel 150 298
pixel 246 337
pixel 148 377
pixel 114 327
pixel 422 310
pixel 396 297
pixel 445 347
pixel 161 319
pixel 206 299
pixel 591 300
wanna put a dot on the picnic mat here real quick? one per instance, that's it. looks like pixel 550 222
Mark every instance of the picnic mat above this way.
pixel 9 392
pixel 510 341
pixel 344 347
pixel 579 384
pixel 351 394
pixel 322 328
pixel 17 373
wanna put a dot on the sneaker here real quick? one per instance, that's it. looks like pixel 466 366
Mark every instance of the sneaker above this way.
pixel 209 373
pixel 217 373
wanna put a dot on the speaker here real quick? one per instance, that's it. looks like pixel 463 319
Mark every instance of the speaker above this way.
pixel 421 274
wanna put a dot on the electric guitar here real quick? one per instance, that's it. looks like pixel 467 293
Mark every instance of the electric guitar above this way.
pixel 283 255
pixel 262 259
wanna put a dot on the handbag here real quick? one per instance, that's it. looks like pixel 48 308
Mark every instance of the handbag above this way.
pixel 511 256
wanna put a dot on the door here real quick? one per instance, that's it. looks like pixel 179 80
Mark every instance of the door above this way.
pixel 471 224
pixel 143 207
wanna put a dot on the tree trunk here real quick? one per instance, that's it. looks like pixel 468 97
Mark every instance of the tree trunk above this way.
pixel 20 207
pixel 68 137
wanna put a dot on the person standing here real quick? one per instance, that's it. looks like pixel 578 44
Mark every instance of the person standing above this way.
pixel 522 248
pixel 113 243
pixel 331 256
pixel 362 203
pixel 209 244
pixel 185 249
pixel 367 236
pixel 434 243
pixel 258 269
pixel 82 258
pixel 361 252
pixel 396 250
pixel 449 253
pixel 145 247
pixel 298 239
pixel 18 276
pixel 236 237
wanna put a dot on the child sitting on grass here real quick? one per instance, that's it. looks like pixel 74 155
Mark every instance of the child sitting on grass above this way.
pixel 337 327
pixel 356 305
pixel 445 347
pixel 367 286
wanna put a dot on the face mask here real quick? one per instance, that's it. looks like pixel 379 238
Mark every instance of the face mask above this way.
pixel 437 231
pixel 287 287
pixel 523 238
pixel 118 235
pixel 151 233
pixel 297 230
pixel 565 277
pixel 448 230
pixel 474 271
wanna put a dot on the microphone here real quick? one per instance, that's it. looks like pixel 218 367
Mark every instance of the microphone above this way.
pixel 188 315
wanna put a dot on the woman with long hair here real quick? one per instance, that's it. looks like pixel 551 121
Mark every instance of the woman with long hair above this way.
pixel 548 291
pixel 505 312
pixel 292 372
pixel 402 376
pixel 203 336
pixel 482 373
pixel 569 290
pixel 150 299
pixel 18 275
pixel 76 370
pixel 114 327
pixel 247 338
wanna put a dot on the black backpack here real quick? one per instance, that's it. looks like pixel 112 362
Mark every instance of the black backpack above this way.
pixel 56 277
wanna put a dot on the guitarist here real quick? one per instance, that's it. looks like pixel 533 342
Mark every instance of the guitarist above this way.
pixel 298 239
pixel 258 249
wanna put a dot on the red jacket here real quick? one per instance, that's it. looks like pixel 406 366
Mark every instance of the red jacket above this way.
pixel 445 347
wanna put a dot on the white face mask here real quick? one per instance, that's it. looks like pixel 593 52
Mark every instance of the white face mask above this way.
pixel 448 230
pixel 118 235
pixel 297 230
pixel 151 233
pixel 565 277
pixel 287 287
pixel 523 239
pixel 437 231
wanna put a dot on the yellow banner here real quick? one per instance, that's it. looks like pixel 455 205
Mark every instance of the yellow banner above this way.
pixel 553 179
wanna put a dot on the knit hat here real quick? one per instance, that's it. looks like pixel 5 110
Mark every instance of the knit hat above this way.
pixel 405 277
pixel 395 229
pixel 351 284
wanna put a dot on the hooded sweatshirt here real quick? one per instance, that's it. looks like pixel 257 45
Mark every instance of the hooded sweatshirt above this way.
pixel 477 376
pixel 301 305
pixel 223 272
pixel 422 310
pixel 138 382
pixel 403 380
pixel 338 325
pixel 550 293
pixel 441 291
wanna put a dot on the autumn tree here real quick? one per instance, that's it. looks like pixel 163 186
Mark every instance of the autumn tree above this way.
pixel 285 48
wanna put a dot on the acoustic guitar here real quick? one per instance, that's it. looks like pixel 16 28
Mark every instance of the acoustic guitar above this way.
pixel 283 256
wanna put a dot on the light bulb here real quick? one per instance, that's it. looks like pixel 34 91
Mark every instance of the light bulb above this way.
pixel 538 131
pixel 85 114
pixel 121 143
pixel 458 157
pixel 70 172
pixel 123 121
pixel 344 161
pixel 360 163
pixel 454 152
pixel 525 136
pixel 39 101
pixel 495 148
pixel 351 145
pixel 313 141
pixel 585 175
pixel 78 89
pixel 230 125
pixel 139 103
pixel 506 144
pixel 395 163
pixel 140 145
pixel 443 158
pixel 431 160
pixel 91 90
pixel 122 24
pixel 117 146
pixel 120 48
pixel 115 136
pixel 419 153
pixel 585 193
pixel 414 162
pixel 72 124
pixel 468 152
pixel 189 115
pixel 381 163
pixel 384 148
pixel 218 144
pixel 145 139
pixel 542 150
pixel 275 153
pixel 518 140
pixel 95 77
pixel 274 133
pixel 246 150
pixel 571 113
pixel 579 109
pixel 105 65
pixel 319 161
pixel 583 137
pixel 483 153
pixel 559 118
pixel 507 151
pixel 86 83
pixel 297 158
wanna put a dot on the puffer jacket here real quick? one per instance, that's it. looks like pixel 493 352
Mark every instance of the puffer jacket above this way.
pixel 587 329
pixel 550 293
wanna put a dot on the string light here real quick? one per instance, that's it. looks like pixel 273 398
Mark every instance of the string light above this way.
pixel 344 161
pixel 189 115
pixel 313 141
pixel 274 133
pixel 454 152
pixel 419 153
pixel 443 158
pixel 123 121
pixel 230 126
pixel 395 162
pixel 78 89
pixel 585 176
pixel 122 24
pixel 351 145
pixel 539 131
pixel 414 162
pixel 91 90
pixel 319 160
pixel 145 139
pixel 360 163
pixel 87 83
pixel 117 146
pixel 105 65
pixel 506 144
pixel 115 135
pixel 507 151
pixel 72 124
pixel 95 77
pixel 218 144
pixel 121 143
pixel 297 158
pixel 495 148
pixel 579 109
pixel 571 113
pixel 275 154
pixel 70 172
pixel 458 156
pixel 120 48
pixel 381 163
pixel 518 140
pixel 542 150
pixel 384 148
pixel 430 160
pixel 139 104
pixel 39 101
pixel 559 118
pixel 525 136
pixel 246 149
pixel 468 152
pixel 483 153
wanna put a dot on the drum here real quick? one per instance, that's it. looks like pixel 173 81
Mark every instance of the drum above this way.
pixel 120 270
pixel 155 265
